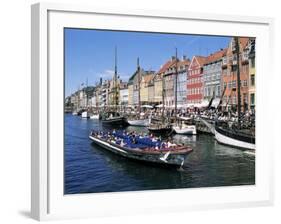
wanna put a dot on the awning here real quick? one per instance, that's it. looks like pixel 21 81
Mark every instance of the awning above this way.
pixel 147 106
pixel 160 105
pixel 215 102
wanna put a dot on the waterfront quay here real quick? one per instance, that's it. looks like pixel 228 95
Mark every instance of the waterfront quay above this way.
pixel 90 168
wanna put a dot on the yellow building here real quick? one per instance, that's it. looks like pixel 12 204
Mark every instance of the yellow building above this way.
pixel 146 79
pixel 252 74
pixel 158 82
pixel 130 94
pixel 158 88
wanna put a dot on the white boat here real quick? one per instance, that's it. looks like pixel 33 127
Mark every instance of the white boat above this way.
pixel 185 129
pixel 95 116
pixel 74 113
pixel 139 122
pixel 236 139
pixel 85 114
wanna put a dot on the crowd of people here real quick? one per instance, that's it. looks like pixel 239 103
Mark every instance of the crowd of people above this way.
pixel 135 140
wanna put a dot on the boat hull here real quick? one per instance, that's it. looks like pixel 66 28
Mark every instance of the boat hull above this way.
pixel 85 115
pixel 95 117
pixel 156 158
pixel 163 130
pixel 116 121
pixel 140 123
pixel 185 130
pixel 222 138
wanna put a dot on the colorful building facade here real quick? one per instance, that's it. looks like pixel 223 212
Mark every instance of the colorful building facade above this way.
pixel 229 74
pixel 212 73
pixel 195 80
pixel 252 74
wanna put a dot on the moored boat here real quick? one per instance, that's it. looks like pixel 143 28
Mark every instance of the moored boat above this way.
pixel 143 149
pixel 113 118
pixel 235 138
pixel 185 129
pixel 95 116
pixel 85 115
pixel 139 122
pixel 160 128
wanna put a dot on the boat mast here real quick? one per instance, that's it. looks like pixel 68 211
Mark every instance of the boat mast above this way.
pixel 115 79
pixel 176 83
pixel 238 81
pixel 163 92
pixel 139 83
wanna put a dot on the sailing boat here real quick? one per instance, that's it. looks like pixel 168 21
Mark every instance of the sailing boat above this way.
pixel 161 126
pixel 181 126
pixel 113 117
pixel 138 120
pixel 235 135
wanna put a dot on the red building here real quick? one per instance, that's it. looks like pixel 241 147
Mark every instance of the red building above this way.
pixel 195 80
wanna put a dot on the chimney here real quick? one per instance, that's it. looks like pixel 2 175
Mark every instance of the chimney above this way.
pixel 100 81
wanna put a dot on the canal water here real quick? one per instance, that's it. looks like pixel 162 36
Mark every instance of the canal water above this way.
pixel 91 169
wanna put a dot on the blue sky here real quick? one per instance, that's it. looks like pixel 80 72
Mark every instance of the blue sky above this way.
pixel 89 54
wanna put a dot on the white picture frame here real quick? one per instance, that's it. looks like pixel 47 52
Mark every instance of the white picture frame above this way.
pixel 48 201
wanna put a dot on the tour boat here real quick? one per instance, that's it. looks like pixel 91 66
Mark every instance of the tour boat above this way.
pixel 142 149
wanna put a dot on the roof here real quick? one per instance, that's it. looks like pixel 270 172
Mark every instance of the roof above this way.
pixel 167 65
pixel 244 42
pixel 200 59
pixel 185 62
pixel 215 56
pixel 147 78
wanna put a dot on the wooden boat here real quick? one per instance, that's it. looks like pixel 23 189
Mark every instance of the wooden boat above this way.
pixel 236 138
pixel 160 128
pixel 113 118
pixel 184 127
pixel 143 149
pixel 95 116
pixel 139 122
pixel 235 135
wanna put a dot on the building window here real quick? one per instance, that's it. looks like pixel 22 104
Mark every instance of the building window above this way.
pixel 252 80
pixel 252 99
pixel 252 62
pixel 245 98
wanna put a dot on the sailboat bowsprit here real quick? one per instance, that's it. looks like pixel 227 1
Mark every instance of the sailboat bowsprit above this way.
pixel 143 149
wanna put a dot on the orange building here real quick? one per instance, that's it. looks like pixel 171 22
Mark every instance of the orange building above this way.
pixel 229 74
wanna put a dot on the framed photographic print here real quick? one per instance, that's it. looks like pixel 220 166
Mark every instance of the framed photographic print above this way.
pixel 148 111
